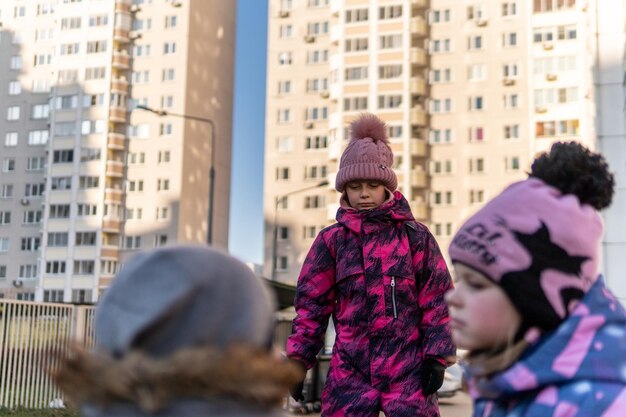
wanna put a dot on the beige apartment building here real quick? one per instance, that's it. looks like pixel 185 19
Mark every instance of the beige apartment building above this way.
pixel 471 91
pixel 88 179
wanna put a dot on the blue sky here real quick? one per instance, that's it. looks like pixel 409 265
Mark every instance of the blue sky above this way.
pixel 246 199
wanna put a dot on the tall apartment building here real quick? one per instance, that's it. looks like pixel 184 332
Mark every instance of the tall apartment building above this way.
pixel 471 92
pixel 87 179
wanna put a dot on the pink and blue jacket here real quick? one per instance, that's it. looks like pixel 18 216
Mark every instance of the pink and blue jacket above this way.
pixel 579 370
pixel 382 278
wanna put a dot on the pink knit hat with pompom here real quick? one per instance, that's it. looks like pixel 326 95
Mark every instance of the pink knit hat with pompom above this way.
pixel 368 155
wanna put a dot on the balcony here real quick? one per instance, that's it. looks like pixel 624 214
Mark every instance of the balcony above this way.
pixel 418 116
pixel 419 178
pixel 111 195
pixel 121 60
pixel 119 85
pixel 121 35
pixel 122 6
pixel 117 114
pixel 109 251
pixel 420 4
pixel 115 169
pixel 116 141
pixel 418 86
pixel 111 225
pixel 418 56
pixel 419 27
pixel 420 210
pixel 418 148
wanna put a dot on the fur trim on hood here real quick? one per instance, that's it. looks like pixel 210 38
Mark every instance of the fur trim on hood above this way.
pixel 88 377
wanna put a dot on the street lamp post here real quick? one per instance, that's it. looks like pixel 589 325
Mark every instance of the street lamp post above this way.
pixel 277 200
pixel 162 113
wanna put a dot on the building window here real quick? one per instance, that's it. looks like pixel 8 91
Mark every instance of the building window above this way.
pixel 542 6
pixel 476 134
pixel 389 12
pixel 13 113
pixel 316 142
pixel 84 267
pixel 557 128
pixel 509 8
pixel 355 103
pixel 168 74
pixel 316 113
pixel 10 139
pixel 511 101
pixel 61 183
pixel 4 244
pixel 163 184
pixel 476 196
pixel 32 217
pixel 317 56
pixel 16 62
pixel 284 87
pixel 6 190
pixel 476 165
pixel 509 39
pixel 438 105
pixel 169 48
pixel 440 45
pixel 8 165
pixel 53 296
pixel 284 115
pixel 70 48
pixel 390 41
pixel 57 239
pixel 511 132
pixel 84 209
pixel 81 296
pixel 34 190
pixel 30 244
pixel 283 233
pixel 132 242
pixel 475 43
pixel 389 101
pixel 5 218
pixel 443 75
pixel 55 267
pixel 390 71
pixel 357 15
pixel 85 238
pixel 15 88
pixel 315 201
pixel 511 163
pixel 356 45
pixel 284 58
pixel 170 21
pixel 475 103
pixel 38 137
pixel 440 16
pixel 160 240
pixel 284 144
pixel 28 271
pixel 163 157
pixel 282 173
pixel 59 211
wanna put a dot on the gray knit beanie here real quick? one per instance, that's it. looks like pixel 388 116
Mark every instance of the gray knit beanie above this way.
pixel 170 298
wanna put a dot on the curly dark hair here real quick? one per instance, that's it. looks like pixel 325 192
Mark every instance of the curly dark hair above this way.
pixel 574 169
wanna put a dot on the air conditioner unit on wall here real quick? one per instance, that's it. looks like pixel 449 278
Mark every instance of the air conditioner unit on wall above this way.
pixel 508 81
pixel 283 13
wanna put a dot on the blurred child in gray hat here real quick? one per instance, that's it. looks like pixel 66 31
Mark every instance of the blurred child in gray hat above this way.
pixel 182 331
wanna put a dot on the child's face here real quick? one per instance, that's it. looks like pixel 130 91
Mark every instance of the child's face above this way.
pixel 365 195
pixel 481 315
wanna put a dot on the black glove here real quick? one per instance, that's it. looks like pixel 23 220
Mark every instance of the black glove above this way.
pixel 432 376
pixel 296 390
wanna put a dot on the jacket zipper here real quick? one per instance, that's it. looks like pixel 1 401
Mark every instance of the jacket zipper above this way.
pixel 393 297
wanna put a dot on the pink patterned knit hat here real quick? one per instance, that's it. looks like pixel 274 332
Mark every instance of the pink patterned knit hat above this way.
pixel 541 246
pixel 368 155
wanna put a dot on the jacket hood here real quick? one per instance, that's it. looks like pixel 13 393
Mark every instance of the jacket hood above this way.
pixel 395 209
pixel 587 347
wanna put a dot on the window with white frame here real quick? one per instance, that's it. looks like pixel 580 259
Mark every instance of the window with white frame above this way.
pixel 476 72
pixel 70 23
pixel 15 88
pixel 162 213
pixel 163 184
pixel 285 31
pixel 356 73
pixel 85 209
pixel 15 62
pixel 314 201
pixel 316 142
pixel 84 267
pixel 315 171
pixel 5 218
pixel 6 190
pixel 61 183
pixel 86 238
pixel 475 103
pixel 284 115
pixel 440 75
pixel 476 196
pixel 476 12
pixel 390 12
pixel 440 105
pixel 314 85
pixel 440 45
pixel 53 296
pixel 31 217
pixel 59 211
pixel 66 102
pixel 511 163
pixel 389 71
pixel 317 28
pixel 34 190
pixel 55 267
pixel 544 6
pixel 168 74
pixel 476 134
pixel 389 101
pixel 81 296
pixel 98 20
pixel 135 185
pixel 548 96
pixel 357 15
pixel 4 244
pixel 440 136
pixel 284 144
pixel 70 48
pixel 355 103
pixel 28 271
pixel 511 101
pixel 474 43
pixel 10 139
pixel 169 48
pixel 282 173
pixel 356 44
pixel 166 129
pixel 132 242
pixel 317 56
pixel 8 165
pixel 551 128
pixel 284 58
pixel 511 131
pixel 171 21
pixel 316 113
pixel 92 100
pixel 390 41
pixel 13 113
pixel 163 157
pixel 284 87
pixel 476 165
pixel 509 39
pixel 88 127
pixel 509 8
pixel 439 16
pixel 510 70
pixel 40 111
pixel 30 244
pixel 95 73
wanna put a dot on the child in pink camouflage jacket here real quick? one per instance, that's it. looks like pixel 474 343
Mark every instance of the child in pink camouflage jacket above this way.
pixel 381 276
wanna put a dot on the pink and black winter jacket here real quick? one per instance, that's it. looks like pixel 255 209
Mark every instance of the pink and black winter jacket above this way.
pixel 381 276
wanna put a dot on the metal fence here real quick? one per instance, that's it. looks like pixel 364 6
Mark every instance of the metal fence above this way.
pixel 31 336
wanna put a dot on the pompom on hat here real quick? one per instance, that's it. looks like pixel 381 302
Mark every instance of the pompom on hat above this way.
pixel 368 155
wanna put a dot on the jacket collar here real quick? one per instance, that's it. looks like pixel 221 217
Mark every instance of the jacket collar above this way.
pixel 395 209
